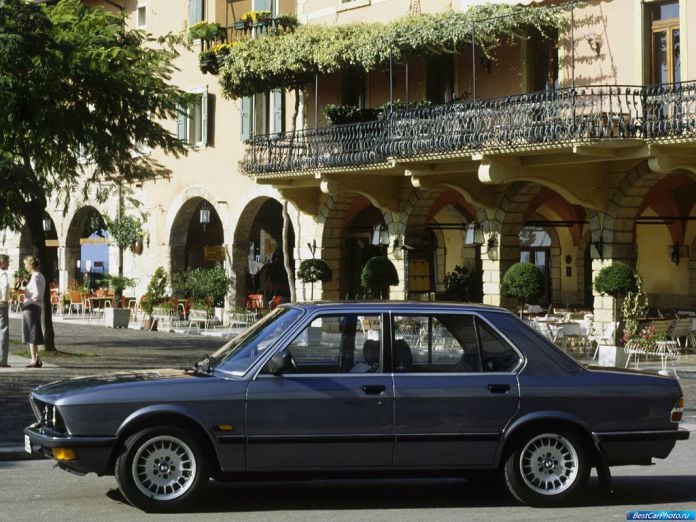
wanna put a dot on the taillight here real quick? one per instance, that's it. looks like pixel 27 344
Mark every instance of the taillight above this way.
pixel 677 411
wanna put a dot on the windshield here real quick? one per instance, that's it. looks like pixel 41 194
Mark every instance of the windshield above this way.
pixel 243 351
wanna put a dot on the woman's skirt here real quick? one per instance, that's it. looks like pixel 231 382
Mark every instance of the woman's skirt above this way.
pixel 31 325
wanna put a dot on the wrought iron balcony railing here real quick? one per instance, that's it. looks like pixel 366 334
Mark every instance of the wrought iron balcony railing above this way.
pixel 541 119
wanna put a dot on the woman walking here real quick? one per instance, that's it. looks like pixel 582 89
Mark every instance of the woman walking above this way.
pixel 32 307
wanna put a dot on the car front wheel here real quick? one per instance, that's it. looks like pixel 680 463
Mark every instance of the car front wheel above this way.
pixel 161 469
pixel 547 469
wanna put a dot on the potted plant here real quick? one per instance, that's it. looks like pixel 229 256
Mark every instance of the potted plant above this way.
pixel 118 316
pixel 523 281
pixel 206 32
pixel 204 285
pixel 154 296
pixel 313 270
pixel 378 274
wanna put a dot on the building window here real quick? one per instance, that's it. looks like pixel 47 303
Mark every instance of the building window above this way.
pixel 141 14
pixel 196 13
pixel 535 248
pixel 192 120
pixel 262 114
pixel 663 42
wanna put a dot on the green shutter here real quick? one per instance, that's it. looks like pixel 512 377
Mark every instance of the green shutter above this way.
pixel 181 123
pixel 204 118
pixel 246 117
pixel 277 116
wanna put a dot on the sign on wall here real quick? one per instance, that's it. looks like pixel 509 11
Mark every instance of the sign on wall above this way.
pixel 214 252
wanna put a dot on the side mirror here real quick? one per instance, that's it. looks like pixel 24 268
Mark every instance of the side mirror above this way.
pixel 280 362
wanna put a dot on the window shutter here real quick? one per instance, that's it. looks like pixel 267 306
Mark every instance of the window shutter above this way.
pixel 204 118
pixel 181 123
pixel 195 11
pixel 246 118
pixel 277 116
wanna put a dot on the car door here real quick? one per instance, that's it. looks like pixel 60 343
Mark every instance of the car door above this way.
pixel 455 390
pixel 333 410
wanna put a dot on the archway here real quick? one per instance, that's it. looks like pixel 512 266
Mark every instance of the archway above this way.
pixel 87 249
pixel 258 253
pixel 196 237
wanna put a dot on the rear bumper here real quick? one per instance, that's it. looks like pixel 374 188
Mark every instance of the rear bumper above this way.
pixel 93 453
pixel 638 447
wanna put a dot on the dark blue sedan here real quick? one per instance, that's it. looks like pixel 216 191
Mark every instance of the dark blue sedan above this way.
pixel 362 389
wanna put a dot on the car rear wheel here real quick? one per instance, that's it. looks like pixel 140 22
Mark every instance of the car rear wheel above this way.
pixel 547 468
pixel 161 469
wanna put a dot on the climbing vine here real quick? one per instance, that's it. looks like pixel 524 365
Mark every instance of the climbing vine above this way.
pixel 290 60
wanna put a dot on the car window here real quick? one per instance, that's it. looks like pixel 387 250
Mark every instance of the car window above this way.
pixel 496 354
pixel 348 343
pixel 435 343
pixel 238 355
pixel 449 343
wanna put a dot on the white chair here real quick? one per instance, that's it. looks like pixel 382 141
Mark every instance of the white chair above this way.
pixel 603 336
pixel 198 318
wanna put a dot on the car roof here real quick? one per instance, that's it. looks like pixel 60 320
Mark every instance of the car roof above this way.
pixel 385 305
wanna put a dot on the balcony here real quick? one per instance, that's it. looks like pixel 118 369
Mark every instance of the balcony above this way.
pixel 535 121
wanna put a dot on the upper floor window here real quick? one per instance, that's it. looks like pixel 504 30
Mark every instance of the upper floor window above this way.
pixel 192 120
pixel 196 13
pixel 262 114
pixel 664 42
pixel 141 14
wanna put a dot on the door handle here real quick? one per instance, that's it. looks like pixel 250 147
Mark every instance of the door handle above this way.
pixel 373 389
pixel 499 388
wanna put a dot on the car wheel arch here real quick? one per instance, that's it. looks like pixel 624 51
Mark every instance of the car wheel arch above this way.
pixel 172 419
pixel 522 428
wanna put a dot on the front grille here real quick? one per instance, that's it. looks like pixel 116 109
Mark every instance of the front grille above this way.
pixel 47 415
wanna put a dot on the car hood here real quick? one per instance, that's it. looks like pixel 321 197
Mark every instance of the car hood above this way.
pixel 78 384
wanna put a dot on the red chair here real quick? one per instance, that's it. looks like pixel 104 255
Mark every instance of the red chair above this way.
pixel 277 299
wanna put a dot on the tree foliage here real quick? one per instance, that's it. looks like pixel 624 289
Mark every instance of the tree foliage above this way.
pixel 312 270
pixel 290 60
pixel 78 91
pixel 203 285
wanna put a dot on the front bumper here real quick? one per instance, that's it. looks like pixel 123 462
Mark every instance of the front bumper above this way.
pixel 93 453
pixel 638 447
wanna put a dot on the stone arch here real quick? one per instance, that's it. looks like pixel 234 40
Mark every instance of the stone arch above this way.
pixel 76 218
pixel 246 219
pixel 335 216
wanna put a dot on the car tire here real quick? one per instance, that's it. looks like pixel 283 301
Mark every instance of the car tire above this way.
pixel 161 469
pixel 548 468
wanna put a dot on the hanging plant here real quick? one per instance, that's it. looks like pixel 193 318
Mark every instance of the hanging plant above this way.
pixel 206 32
pixel 290 60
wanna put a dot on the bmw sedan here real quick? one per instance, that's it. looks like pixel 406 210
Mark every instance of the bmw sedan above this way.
pixel 362 389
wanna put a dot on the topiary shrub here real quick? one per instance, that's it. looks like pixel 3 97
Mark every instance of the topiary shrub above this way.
pixel 616 280
pixel 313 270
pixel 378 275
pixel 523 281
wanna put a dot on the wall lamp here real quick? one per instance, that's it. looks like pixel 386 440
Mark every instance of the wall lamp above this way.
pixel 380 235
pixel 595 42
pixel 204 214
pixel 599 247
pixel 674 253
pixel 474 234
pixel 46 224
